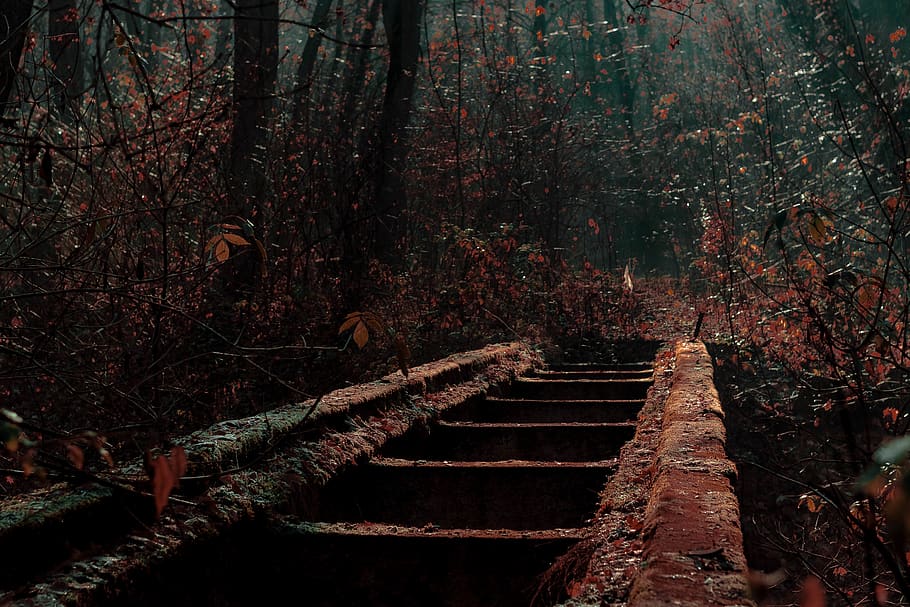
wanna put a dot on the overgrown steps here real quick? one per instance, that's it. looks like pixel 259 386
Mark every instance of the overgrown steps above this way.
pixel 471 510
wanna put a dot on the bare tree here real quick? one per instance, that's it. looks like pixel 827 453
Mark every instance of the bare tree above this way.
pixel 13 27
pixel 401 19
pixel 63 37
pixel 255 74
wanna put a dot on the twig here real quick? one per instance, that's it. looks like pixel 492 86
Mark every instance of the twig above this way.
pixel 504 324
pixel 701 317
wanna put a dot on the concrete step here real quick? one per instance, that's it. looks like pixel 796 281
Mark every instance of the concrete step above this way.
pixel 480 441
pixel 583 389
pixel 522 410
pixel 381 565
pixel 365 565
pixel 587 374
pixel 517 495
pixel 575 367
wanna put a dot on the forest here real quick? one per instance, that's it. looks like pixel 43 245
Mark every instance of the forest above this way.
pixel 211 207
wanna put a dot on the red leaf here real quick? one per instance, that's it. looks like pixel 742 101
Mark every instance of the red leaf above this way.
pixel 75 455
pixel 178 462
pixel 162 482
pixel 812 594
pixel 165 473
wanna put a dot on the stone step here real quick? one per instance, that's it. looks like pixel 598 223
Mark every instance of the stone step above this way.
pixel 522 410
pixel 584 389
pixel 575 367
pixel 477 441
pixel 518 495
pixel 367 564
pixel 587 374
pixel 381 565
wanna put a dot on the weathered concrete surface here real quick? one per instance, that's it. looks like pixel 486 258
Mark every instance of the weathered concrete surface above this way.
pixel 693 553
pixel 687 549
pixel 478 441
pixel 614 547
pixel 515 494
pixel 101 550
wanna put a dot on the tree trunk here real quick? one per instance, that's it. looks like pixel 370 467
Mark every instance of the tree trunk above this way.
pixel 255 73
pixel 13 26
pixel 63 34
pixel 401 19
pixel 621 83
pixel 308 59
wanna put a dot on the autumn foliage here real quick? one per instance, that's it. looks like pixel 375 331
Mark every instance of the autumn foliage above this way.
pixel 202 214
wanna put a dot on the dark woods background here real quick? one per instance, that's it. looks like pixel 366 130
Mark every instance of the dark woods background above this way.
pixel 196 194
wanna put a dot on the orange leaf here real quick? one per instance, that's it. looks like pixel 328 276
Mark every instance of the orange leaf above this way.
pixel 361 335
pixel 362 323
pixel 813 503
pixel 818 230
pixel 106 456
pixel 162 482
pixel 349 321
pixel 178 463
pixel 812 593
pixel 222 252
pixel 374 322
pixel 75 455
pixel 881 593
pixel 235 239
pixel 165 473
